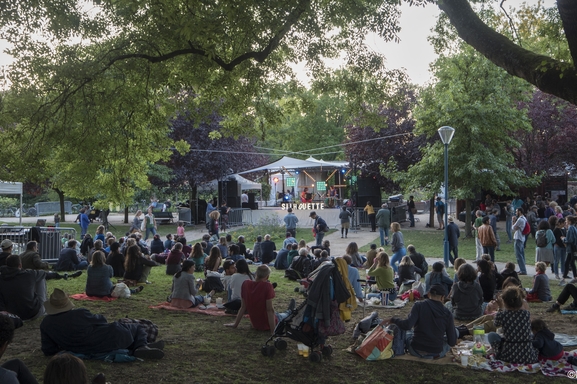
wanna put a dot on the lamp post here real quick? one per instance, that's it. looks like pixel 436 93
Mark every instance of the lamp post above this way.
pixel 275 195
pixel 282 172
pixel 446 134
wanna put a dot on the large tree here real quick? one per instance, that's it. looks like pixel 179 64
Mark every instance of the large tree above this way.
pixel 480 101
pixel 551 74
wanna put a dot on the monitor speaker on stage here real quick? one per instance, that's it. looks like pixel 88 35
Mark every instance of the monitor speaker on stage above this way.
pixel 367 186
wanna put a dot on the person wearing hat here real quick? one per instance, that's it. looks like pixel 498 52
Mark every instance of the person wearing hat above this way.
pixel 440 210
pixel 319 227
pixel 453 234
pixel 6 246
pixel 428 324
pixel 22 291
pixel 79 331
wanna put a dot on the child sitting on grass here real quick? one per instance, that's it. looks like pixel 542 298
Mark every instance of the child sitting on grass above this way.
pixel 457 264
pixel 540 290
pixel 509 271
pixel 544 341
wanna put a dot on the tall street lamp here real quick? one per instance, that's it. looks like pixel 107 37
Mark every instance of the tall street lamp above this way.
pixel 275 195
pixel 446 134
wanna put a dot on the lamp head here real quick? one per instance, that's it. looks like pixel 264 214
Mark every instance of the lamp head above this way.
pixel 446 134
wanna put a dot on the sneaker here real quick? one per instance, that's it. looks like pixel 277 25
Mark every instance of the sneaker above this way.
pixel 571 307
pixel 148 353
pixel 274 285
pixel 562 283
pixel 554 308
pixel 156 345
pixel 75 274
pixel 522 273
pixel 573 281
pixel 137 289
pixel 557 277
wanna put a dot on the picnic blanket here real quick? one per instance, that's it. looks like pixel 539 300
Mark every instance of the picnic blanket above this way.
pixel 568 312
pixel 211 310
pixel 566 340
pixel 559 367
pixel 83 296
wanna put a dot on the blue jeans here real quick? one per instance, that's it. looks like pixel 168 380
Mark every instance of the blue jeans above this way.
pixel 490 251
pixel 560 255
pixel 508 227
pixel 150 230
pixel 397 256
pixel 319 238
pixel 82 265
pixel 83 231
pixel 520 254
pixel 493 338
pixel 392 296
pixel 384 232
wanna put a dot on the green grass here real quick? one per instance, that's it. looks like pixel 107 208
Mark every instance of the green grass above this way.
pixel 201 350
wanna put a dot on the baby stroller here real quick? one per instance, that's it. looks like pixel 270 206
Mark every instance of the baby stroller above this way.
pixel 302 324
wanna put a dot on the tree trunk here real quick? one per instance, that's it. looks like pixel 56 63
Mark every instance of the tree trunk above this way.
pixel 468 231
pixel 432 212
pixel 61 200
pixel 193 202
pixel 547 74
pixel 126 214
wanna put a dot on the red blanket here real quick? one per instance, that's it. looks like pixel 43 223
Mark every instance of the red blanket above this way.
pixel 83 296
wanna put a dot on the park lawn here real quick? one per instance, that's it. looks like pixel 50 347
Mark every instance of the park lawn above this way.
pixel 201 350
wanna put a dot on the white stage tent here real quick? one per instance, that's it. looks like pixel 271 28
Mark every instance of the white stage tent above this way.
pixel 245 184
pixel 291 163
pixel 12 188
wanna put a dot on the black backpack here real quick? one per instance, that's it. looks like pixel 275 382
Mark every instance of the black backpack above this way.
pixel 541 238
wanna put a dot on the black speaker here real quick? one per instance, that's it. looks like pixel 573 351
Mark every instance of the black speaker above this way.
pixel 233 202
pixel 367 186
pixel 375 201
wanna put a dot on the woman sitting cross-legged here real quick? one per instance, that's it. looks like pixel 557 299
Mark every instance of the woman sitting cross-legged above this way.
pixel 184 292
pixel 98 277
pixel 383 274
pixel 242 274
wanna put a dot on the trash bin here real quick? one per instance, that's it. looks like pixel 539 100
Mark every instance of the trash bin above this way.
pixel 185 215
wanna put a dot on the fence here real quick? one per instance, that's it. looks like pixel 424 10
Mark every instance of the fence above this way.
pixel 49 239
pixel 239 216
pixel 51 207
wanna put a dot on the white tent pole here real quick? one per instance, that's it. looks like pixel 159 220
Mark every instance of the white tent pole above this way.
pixel 20 218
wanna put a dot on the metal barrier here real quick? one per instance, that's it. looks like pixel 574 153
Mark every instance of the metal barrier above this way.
pixel 51 207
pixel 49 239
pixel 236 217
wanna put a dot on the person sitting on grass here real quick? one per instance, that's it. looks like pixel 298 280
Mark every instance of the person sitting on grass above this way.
pixel 211 271
pixel 489 279
pixel 466 295
pixel 281 261
pixel 23 291
pixel 457 264
pixel 242 273
pixel 321 257
pixel 156 245
pixel 80 331
pixel 568 291
pixel 98 277
pixel 294 251
pixel 540 290
pixel 418 259
pixel 256 300
pixel 68 369
pixel 184 292
pixel 438 276
pixel 116 260
pixel 509 271
pixel 353 251
pixel 354 278
pixel 12 371
pixel 383 274
pixel 174 259
pixel 235 254
pixel 516 344
pixel 370 255
pixel 544 341
pixel 31 258
pixel 408 270
pixel 69 260
pixel 198 257
pixel 430 326
pixel 136 266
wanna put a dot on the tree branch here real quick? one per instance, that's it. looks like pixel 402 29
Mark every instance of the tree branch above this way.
pixel 549 75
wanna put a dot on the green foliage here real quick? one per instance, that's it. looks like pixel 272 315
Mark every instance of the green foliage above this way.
pixel 7 202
